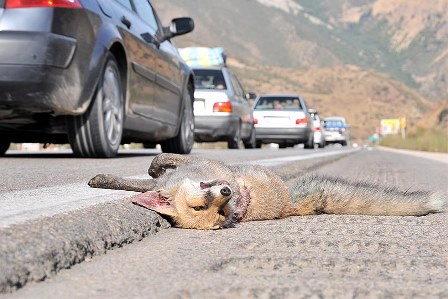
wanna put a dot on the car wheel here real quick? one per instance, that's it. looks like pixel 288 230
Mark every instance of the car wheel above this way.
pixel 149 145
pixel 234 143
pixel 309 144
pixel 251 142
pixel 282 145
pixel 97 133
pixel 184 141
pixel 258 144
pixel 4 146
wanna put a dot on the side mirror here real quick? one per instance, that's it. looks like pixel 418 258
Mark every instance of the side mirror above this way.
pixel 251 95
pixel 177 27
pixel 180 26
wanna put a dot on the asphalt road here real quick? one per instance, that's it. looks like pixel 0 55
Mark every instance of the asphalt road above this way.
pixel 298 257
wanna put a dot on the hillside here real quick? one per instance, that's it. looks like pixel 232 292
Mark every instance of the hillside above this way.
pixel 436 118
pixel 405 39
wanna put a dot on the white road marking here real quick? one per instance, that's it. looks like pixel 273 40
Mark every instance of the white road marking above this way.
pixel 283 160
pixel 20 206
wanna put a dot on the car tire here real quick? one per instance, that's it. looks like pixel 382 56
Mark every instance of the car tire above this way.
pixel 184 141
pixel 4 146
pixel 97 133
pixel 309 144
pixel 258 144
pixel 251 142
pixel 234 143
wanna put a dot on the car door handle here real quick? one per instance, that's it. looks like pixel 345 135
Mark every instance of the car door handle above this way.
pixel 126 22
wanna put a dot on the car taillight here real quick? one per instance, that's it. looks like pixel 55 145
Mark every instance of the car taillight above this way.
pixel 222 107
pixel 255 121
pixel 43 3
pixel 316 128
pixel 302 121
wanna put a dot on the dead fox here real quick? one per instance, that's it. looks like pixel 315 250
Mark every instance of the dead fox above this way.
pixel 206 194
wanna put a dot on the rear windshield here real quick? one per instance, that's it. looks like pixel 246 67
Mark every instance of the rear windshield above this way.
pixel 278 103
pixel 334 124
pixel 209 79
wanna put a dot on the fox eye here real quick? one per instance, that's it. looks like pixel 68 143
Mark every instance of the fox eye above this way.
pixel 200 208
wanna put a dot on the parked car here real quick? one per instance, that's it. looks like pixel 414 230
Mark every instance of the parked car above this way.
pixel 221 108
pixel 283 119
pixel 95 74
pixel 336 130
pixel 319 131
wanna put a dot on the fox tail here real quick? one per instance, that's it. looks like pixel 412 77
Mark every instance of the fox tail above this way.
pixel 324 195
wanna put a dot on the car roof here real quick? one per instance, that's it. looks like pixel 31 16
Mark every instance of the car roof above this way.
pixel 335 118
pixel 279 95
pixel 208 68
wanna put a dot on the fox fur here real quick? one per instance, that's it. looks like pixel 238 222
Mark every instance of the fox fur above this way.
pixel 206 194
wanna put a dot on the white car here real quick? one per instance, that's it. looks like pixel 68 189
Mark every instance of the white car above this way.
pixel 283 119
pixel 336 130
pixel 222 111
pixel 319 130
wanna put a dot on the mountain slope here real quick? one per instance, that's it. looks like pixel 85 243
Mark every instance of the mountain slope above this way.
pixel 406 39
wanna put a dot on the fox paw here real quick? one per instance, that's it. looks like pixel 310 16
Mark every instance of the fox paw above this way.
pixel 102 181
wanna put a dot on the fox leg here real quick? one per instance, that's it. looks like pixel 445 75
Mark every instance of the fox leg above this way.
pixel 163 162
pixel 107 181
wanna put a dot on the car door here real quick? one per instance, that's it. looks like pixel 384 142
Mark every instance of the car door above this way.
pixel 168 87
pixel 141 57
pixel 244 109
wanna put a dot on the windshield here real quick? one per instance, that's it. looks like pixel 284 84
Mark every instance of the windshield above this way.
pixel 209 79
pixel 278 103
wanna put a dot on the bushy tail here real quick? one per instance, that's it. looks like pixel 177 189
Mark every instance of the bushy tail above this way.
pixel 323 195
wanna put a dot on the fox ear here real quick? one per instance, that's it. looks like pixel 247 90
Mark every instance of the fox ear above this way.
pixel 153 200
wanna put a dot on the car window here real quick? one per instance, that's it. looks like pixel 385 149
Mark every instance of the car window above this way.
pixel 125 3
pixel 236 86
pixel 278 103
pixel 209 79
pixel 146 13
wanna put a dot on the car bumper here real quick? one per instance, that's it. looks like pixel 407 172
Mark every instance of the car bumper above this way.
pixel 291 135
pixel 335 137
pixel 215 128
pixel 35 72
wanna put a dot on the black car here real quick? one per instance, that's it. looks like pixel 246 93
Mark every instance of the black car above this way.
pixel 95 74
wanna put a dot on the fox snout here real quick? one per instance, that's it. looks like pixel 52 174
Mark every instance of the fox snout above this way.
pixel 226 191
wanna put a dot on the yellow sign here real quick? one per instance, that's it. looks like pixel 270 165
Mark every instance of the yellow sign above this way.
pixel 402 122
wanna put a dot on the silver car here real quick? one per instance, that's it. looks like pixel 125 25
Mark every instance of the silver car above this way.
pixel 283 119
pixel 221 108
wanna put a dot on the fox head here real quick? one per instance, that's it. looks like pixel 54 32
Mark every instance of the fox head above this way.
pixel 190 204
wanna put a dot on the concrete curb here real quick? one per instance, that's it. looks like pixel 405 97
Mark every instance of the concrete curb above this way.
pixel 38 249
pixel 439 157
